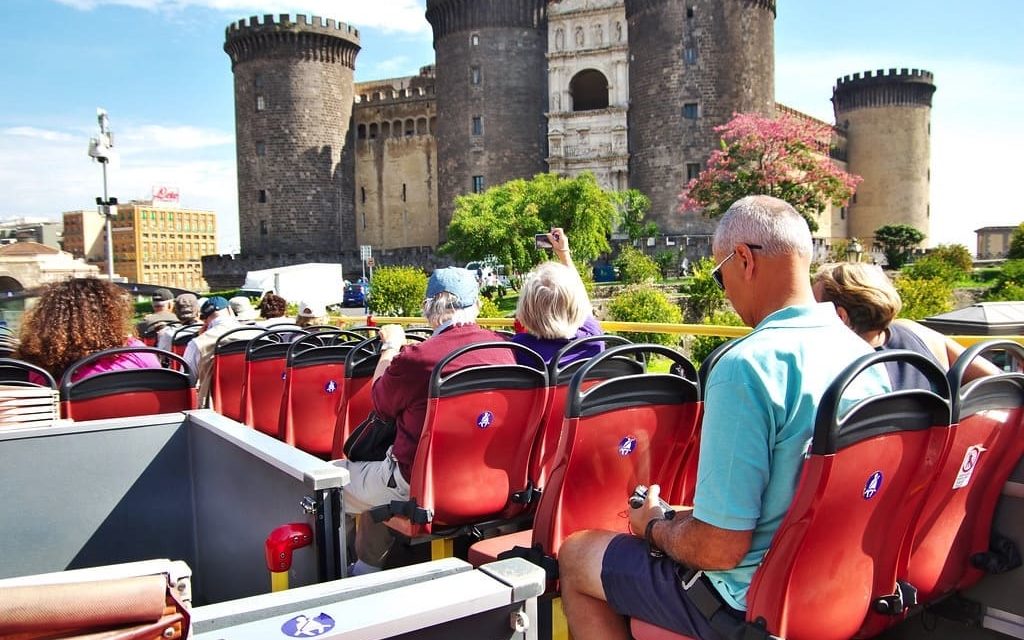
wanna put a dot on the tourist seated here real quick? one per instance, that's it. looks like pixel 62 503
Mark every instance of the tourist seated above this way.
pixel 163 314
pixel 243 309
pixel 867 302
pixel 186 308
pixel 311 313
pixel 554 308
pixel 760 403
pixel 76 318
pixel 272 310
pixel 218 319
pixel 400 384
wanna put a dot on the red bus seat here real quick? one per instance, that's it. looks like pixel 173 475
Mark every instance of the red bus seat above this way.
pixel 183 335
pixel 228 371
pixel 831 571
pixel 542 459
pixel 987 441
pixel 17 371
pixel 127 392
pixel 473 456
pixel 627 430
pixel 314 387
pixel 264 379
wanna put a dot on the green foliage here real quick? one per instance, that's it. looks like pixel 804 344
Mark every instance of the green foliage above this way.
pixel 923 297
pixel 635 267
pixel 397 291
pixel 705 298
pixel 503 220
pixel 489 309
pixel 785 157
pixel 1009 282
pixel 633 206
pixel 946 262
pixel 665 259
pixel 897 240
pixel 703 345
pixel 645 304
pixel 1016 251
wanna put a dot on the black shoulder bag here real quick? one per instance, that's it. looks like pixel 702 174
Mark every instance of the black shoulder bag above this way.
pixel 370 439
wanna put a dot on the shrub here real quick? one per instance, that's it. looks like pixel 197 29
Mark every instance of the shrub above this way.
pixel 645 304
pixel 704 296
pixel 923 297
pixel 489 309
pixel 1008 282
pixel 951 262
pixel 635 267
pixel 704 345
pixel 397 291
pixel 665 260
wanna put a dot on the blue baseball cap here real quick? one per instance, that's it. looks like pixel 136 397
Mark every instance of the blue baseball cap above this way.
pixel 459 282
pixel 211 306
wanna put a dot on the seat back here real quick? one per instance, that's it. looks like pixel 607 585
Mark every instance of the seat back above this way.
pixel 228 373
pixel 987 441
pixel 148 333
pixel 183 335
pixel 127 392
pixel 836 554
pixel 314 387
pixel 543 457
pixel 474 451
pixel 14 370
pixel 627 430
pixel 265 375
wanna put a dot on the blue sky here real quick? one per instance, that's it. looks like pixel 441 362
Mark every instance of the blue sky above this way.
pixel 158 68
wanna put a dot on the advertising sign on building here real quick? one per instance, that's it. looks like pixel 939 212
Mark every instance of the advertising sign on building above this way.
pixel 165 196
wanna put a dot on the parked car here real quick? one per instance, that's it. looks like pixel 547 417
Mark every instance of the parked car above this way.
pixel 355 295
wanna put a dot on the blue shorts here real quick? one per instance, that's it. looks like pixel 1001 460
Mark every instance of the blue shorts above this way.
pixel 637 585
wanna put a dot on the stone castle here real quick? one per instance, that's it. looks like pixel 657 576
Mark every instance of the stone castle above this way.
pixel 630 90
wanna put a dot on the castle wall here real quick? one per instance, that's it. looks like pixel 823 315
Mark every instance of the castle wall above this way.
pixel 490 65
pixel 887 119
pixel 584 36
pixel 293 101
pixel 396 167
pixel 693 64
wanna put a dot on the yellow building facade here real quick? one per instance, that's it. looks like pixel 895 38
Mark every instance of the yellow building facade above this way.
pixel 154 245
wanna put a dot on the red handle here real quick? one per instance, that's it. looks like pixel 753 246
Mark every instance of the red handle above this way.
pixel 282 541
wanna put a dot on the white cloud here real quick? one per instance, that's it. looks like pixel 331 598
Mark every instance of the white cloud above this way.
pixel 155 137
pixel 387 15
pixel 38 134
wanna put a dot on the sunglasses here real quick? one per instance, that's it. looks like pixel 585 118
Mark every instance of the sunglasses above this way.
pixel 716 273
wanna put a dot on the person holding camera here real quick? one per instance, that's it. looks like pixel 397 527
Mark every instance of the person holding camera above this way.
pixel 554 308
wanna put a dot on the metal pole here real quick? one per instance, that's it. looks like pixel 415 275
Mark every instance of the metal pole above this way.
pixel 110 232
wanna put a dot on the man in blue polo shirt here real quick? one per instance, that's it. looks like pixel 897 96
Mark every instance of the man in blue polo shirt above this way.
pixel 759 408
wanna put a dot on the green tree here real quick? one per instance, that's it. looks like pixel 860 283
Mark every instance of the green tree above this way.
pixel 645 304
pixel 636 267
pixel 1017 243
pixel 897 240
pixel 1009 282
pixel 503 220
pixel 704 345
pixel 924 297
pixel 704 296
pixel 785 157
pixel 950 262
pixel 397 291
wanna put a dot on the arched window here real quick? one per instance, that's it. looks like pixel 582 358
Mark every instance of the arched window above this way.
pixel 385 129
pixel 373 130
pixel 396 129
pixel 361 129
pixel 589 89
pixel 410 127
pixel 421 126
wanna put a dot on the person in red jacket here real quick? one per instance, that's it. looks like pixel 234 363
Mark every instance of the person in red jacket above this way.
pixel 400 384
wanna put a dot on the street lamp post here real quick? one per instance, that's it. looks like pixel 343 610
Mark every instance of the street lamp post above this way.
pixel 854 251
pixel 101 150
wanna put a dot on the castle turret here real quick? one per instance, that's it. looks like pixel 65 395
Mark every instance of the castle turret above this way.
pixel 293 103
pixel 693 63
pixel 491 94
pixel 887 119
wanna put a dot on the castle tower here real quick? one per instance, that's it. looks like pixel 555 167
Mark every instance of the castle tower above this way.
pixel 293 103
pixel 693 64
pixel 491 94
pixel 887 119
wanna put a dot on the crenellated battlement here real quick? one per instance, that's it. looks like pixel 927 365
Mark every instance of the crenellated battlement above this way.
pixel 634 7
pixel 452 16
pixel 387 96
pixel 882 88
pixel 308 37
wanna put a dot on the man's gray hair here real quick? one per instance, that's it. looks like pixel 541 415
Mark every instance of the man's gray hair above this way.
pixel 442 308
pixel 163 305
pixel 770 222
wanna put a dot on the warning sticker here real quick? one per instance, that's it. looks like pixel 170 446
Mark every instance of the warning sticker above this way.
pixel 971 457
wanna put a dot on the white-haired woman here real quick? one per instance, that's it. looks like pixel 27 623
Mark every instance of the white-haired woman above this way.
pixel 554 308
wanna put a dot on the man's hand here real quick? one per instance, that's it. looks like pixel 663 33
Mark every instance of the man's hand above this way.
pixel 650 510
pixel 393 334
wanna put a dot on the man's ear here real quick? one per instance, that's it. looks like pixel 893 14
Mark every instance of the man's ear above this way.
pixel 843 315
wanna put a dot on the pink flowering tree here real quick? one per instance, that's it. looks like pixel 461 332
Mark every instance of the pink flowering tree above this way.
pixel 786 157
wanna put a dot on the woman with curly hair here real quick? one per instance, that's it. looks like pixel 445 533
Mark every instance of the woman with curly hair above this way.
pixel 76 318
